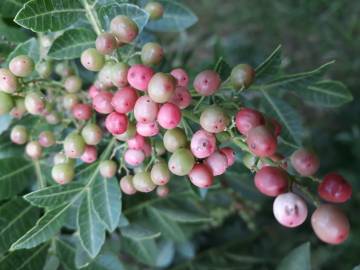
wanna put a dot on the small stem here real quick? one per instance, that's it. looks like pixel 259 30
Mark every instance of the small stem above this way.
pixel 198 103
pixel 39 177
pixel 92 16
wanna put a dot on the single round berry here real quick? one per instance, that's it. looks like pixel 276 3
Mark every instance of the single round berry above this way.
pixel 201 176
pixel 92 134
pixel 305 162
pixel 155 10
pixel 94 91
pixel 145 110
pixel 181 162
pixel 147 129
pixel 162 191
pixel 33 149
pixel 89 155
pixel 82 111
pixel 21 66
pixel 159 148
pixel 181 97
pixel 126 185
pixel 119 73
pixel 107 168
pixel 116 123
pixel 34 103
pixel 247 119
pixel 102 102
pixel 134 157
pixel 137 142
pixel 217 162
pixel 290 210
pixel 124 28
pixel 152 53
pixel 174 139
pixel 203 144
pixel 160 174
pixel 169 116
pixel 19 109
pixel 334 188
pixel 69 101
pixel 73 84
pixel 6 103
pixel 161 87
pixel 271 181
pixel 63 173
pixel 106 43
pixel 74 145
pixel 124 100
pixel 142 182
pixel 261 142
pixel 44 69
pixel 330 224
pixel 105 75
pixel 139 76
pixel 19 134
pixel 53 118
pixel 213 119
pixel 47 138
pixel 92 59
pixel 207 82
pixel 230 155
pixel 181 77
pixel 242 76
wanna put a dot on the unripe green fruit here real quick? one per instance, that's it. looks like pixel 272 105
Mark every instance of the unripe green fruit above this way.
pixel 223 136
pixel 128 134
pixel 19 134
pixel 119 72
pixel 63 173
pixel 152 53
pixel 160 174
pixel 8 82
pixel 174 139
pixel 74 145
pixel 63 70
pixel 92 134
pixel 92 60
pixel 126 185
pixel 213 119
pixel 124 28
pixel 69 100
pixel 61 158
pixel 107 168
pixel 73 84
pixel 142 182
pixel 21 65
pixel 44 69
pixel 155 10
pixel 34 103
pixel 242 76
pixel 105 75
pixel 33 149
pixel 47 138
pixel 19 110
pixel 159 148
pixel 106 43
pixel 161 87
pixel 181 162
pixel 6 103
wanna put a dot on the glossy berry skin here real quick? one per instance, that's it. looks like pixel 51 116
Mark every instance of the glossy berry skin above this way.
pixel 201 176
pixel 92 59
pixel 229 154
pixel 134 157
pixel 137 142
pixel 21 66
pixel 161 87
pixel 160 174
pixel 8 82
pixel 181 162
pixel 203 144
pixel 19 134
pixel 119 73
pixel 126 185
pixel 152 53
pixel 155 10
pixel 92 134
pixel 305 162
pixel 334 188
pixel 74 145
pixel 47 138
pixel 207 82
pixel 145 110
pixel 247 119
pixel 89 155
pixel 107 168
pixel 142 182
pixel 261 142
pixel 290 210
pixel 330 224
pixel 242 76
pixel 181 97
pixel 124 100
pixel 63 173
pixel 82 111
pixel 271 181
pixel 116 123
pixel 105 43
pixel 105 75
pixel 93 91
pixel 124 28
pixel 174 139
pixel 217 162
pixel 147 129
pixel 213 119
pixel 69 101
pixel 34 103
pixel 33 149
pixel 181 76
pixel 169 116
pixel 162 191
pixel 6 103
pixel 139 76
pixel 73 84
pixel 102 102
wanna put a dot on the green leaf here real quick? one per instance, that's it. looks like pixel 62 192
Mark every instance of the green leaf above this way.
pixel 91 229
pixel 138 232
pixel 72 43
pixel 16 218
pixel 16 174
pixel 54 196
pixel 106 197
pixel 66 254
pixel 29 47
pixel 328 94
pixel 356 267
pixel 144 251
pixel 165 254
pixel 176 18
pixel 298 259
pixel 49 15
pixel 9 8
pixel 183 215
pixel 223 69
pixel 5 121
pixel 10 33
pixel 270 67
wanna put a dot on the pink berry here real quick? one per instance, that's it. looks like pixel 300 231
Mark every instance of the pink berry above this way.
pixel 290 210
pixel 33 149
pixel 124 100
pixel 247 119
pixel 34 103
pixel 124 28
pixel 162 191
pixel 217 162
pixel 169 116
pixel 82 111
pixel 181 76
pixel 8 81
pixel 261 142
pixel 139 76
pixel 203 144
pixel 94 91
pixel 305 162
pixel 334 188
pixel 126 185
pixel 207 82
pixel 181 97
pixel 47 139
pixel 89 155
pixel 134 157
pixel 106 43
pixel 271 181
pixel 116 123
pixel 230 155
pixel 137 142
pixel 201 176
pixel 102 102
pixel 145 110
pixel 147 129
pixel 19 134
pixel 107 168
pixel 147 149
pixel 161 87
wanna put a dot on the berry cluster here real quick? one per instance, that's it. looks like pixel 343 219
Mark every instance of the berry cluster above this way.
pixel 145 110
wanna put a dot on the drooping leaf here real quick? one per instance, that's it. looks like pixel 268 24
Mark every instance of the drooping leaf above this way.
pixel 297 259
pixel 270 67
pixel 138 232
pixel 29 47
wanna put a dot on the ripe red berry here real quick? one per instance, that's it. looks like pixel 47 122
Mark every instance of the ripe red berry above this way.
pixel 89 155
pixel 162 191
pixel 271 181
pixel 203 144
pixel 201 176
pixel 305 162
pixel 119 73
pixel 145 110
pixel 107 168
pixel 21 66
pixel 147 149
pixel 152 53
pixel 134 157
pixel 169 116
pixel 124 100
pixel 116 123
pixel 47 138
pixel 33 149
pixel 217 162
pixel 93 91
pixel 261 142
pixel 181 162
pixel 242 76
pixel 174 139
pixel 247 119
pixel 181 97
pixel 330 224
pixel 82 111
pixel 6 103
pixel 230 155
pixel 137 142
pixel 181 77
pixel 102 102
pixel 139 76
pixel 106 43
pixel 161 87
pixel 92 134
pixel 126 185
pixel 147 129
pixel 213 119
pixel 124 28
pixel 160 174
pixel 34 103
pixel 63 173
pixel 334 188
pixel 142 182
pixel 73 84
pixel 74 145
pixel 92 59
pixel 155 10
pixel 207 82
pixel 19 134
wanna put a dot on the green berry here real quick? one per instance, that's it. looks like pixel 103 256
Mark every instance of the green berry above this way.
pixel 242 76
pixel 174 139
pixel 21 65
pixel 63 173
pixel 119 72
pixel 73 84
pixel 155 10
pixel 6 103
pixel 92 134
pixel 142 182
pixel 107 168
pixel 181 162
pixel 213 119
pixel 92 60
pixel 74 145
pixel 160 174
pixel 128 134
pixel 159 148
pixel 34 103
pixel 33 149
pixel 152 53
pixel 62 69
pixel 69 100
